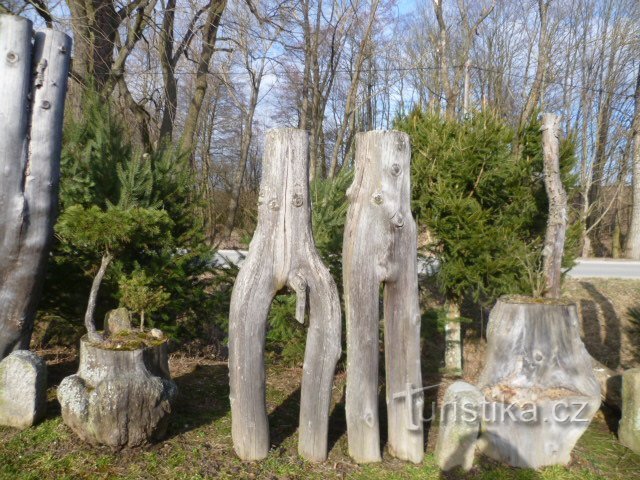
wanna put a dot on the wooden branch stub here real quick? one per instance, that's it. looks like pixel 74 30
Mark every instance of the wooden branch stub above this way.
pixel 282 252
pixel 380 247
pixel 33 78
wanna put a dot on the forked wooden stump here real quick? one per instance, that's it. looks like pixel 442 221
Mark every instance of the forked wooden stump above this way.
pixel 119 397
pixel 380 248
pixel 282 253
pixel 538 382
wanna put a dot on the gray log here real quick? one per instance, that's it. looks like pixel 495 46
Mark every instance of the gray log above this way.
pixel 380 247
pixel 119 398
pixel 535 358
pixel 30 143
pixel 558 217
pixel 282 253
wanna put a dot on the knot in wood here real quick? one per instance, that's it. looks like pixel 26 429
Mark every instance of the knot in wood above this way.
pixel 62 49
pixel 46 105
pixel 273 204
pixel 377 198
pixel 12 57
pixel 297 200
pixel 398 220
pixel 368 418
pixel 396 170
pixel 42 66
pixel 400 143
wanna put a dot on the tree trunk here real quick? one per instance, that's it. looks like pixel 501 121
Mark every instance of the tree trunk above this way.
pixel 210 32
pixel 241 167
pixel 535 358
pixel 282 253
pixel 544 47
pixel 89 321
pixel 142 320
pixel 168 65
pixel 30 146
pixel 557 196
pixel 633 237
pixel 380 247
pixel 453 340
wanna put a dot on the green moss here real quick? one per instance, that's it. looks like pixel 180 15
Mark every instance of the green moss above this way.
pixel 566 302
pixel 127 341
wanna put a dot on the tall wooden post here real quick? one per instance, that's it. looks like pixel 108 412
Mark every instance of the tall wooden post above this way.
pixel 380 247
pixel 33 82
pixel 557 196
pixel 282 252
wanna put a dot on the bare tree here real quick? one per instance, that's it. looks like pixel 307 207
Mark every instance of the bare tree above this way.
pixel 633 238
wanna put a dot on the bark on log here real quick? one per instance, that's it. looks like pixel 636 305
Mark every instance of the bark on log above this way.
pixel 119 398
pixel 557 196
pixel 535 357
pixel 30 141
pixel 282 253
pixel 380 247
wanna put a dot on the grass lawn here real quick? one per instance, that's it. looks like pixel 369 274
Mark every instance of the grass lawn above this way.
pixel 198 444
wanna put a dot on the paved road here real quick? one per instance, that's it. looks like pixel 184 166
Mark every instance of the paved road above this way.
pixel 225 258
pixel 605 268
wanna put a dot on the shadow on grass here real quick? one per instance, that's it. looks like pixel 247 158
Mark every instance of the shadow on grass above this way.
pixel 283 420
pixel 633 331
pixel 483 466
pixel 57 370
pixel 337 423
pixel 203 398
pixel 606 350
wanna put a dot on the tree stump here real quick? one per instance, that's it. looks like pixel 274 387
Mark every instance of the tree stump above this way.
pixel 538 382
pixel 282 253
pixel 119 397
pixel 380 247
pixel 33 81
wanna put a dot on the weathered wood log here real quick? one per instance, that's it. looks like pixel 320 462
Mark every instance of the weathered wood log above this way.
pixel 119 397
pixel 380 247
pixel 30 141
pixel 553 250
pixel 453 340
pixel 538 382
pixel 282 253
pixel 629 431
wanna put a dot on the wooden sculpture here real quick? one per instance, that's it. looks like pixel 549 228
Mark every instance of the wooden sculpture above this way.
pixel 282 253
pixel 380 247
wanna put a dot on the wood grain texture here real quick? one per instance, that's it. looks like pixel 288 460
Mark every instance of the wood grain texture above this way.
pixel 557 221
pixel 33 78
pixel 380 248
pixel 282 253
